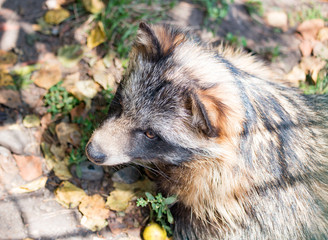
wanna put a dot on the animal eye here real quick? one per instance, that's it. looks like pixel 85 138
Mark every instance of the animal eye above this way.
pixel 150 134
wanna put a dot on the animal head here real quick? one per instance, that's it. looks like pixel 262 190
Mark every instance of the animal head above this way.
pixel 171 104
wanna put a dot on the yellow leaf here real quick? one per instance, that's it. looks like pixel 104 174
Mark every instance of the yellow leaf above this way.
pixel 119 199
pixel 31 120
pixel 93 224
pixel 97 36
pixel 7 59
pixel 56 16
pixel 93 6
pixel 31 186
pixel 69 195
pixel 5 79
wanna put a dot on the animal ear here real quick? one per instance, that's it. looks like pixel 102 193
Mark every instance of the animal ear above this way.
pixel 146 43
pixel 208 114
pixel 156 41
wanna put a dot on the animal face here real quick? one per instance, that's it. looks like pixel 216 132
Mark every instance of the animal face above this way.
pixel 164 109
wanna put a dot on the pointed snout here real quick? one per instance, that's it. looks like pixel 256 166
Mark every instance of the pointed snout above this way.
pixel 94 154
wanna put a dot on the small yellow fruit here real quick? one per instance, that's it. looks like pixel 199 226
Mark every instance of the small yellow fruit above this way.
pixel 153 231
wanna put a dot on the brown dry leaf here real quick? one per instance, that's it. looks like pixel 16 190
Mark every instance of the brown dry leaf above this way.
pixel 93 6
pixel 306 47
pixel 94 207
pixel 312 66
pixel 97 36
pixel 69 195
pixel 295 76
pixel 31 186
pixel 56 16
pixel 70 80
pixel 310 28
pixel 119 199
pixel 10 98
pixel 277 19
pixel 7 59
pixel 78 111
pixel 94 224
pixel 68 133
pixel 47 76
pixel 30 167
pixel 103 76
pixel 6 79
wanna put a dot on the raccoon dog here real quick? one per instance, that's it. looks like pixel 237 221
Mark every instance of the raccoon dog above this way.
pixel 246 157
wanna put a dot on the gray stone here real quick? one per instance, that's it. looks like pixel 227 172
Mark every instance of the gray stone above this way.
pixel 19 140
pixel 91 171
pixel 127 175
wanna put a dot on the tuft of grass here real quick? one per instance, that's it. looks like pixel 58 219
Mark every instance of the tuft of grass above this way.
pixel 215 12
pixel 59 100
pixel 121 18
pixel 254 7
pixel 318 87
pixel 235 40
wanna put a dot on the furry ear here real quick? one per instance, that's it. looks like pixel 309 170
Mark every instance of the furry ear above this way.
pixel 209 114
pixel 156 41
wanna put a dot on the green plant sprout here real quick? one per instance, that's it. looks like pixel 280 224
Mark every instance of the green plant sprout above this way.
pixel 59 100
pixel 159 208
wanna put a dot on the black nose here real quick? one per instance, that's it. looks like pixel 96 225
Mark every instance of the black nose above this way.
pixel 94 154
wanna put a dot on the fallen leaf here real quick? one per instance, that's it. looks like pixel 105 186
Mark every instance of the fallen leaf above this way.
pixel 93 6
pixel 295 76
pixel 93 224
pixel 78 111
pixel 6 79
pixel 321 50
pixel 277 19
pixel 94 207
pixel 310 28
pixel 47 76
pixel 323 34
pixel 68 133
pixel 119 199
pixel 58 151
pixel 31 120
pixel 103 76
pixel 7 59
pixel 56 16
pixel 31 186
pixel 61 170
pixel 69 195
pixel 97 36
pixel 84 90
pixel 306 47
pixel 312 66
pixel 10 98
pixel 70 55
pixel 30 167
